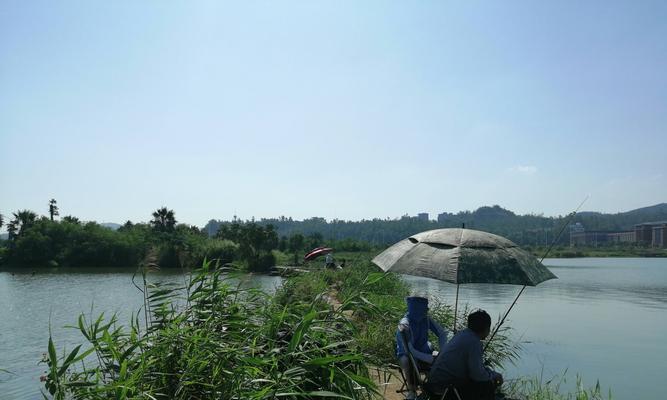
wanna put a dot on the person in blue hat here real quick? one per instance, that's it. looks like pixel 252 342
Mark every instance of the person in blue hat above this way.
pixel 414 326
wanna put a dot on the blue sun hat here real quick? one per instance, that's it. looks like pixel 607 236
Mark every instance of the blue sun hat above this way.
pixel 417 317
pixel 418 320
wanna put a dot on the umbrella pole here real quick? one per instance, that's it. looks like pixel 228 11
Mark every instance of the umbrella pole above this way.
pixel 456 306
pixel 502 321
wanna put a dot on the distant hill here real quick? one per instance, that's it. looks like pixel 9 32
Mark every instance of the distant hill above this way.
pixel 522 229
pixel 657 212
pixel 111 225
pixel 623 220
pixel 588 213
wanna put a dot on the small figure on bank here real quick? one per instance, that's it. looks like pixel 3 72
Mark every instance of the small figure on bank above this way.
pixel 460 363
pixel 329 261
pixel 413 329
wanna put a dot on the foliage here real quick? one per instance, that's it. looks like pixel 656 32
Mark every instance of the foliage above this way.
pixel 224 342
pixel 255 243
pixel 65 243
pixel 35 242
pixel 23 220
pixel 296 242
pixel 164 220
pixel 71 219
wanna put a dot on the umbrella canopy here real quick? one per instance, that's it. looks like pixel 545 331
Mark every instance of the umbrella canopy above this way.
pixel 316 252
pixel 463 256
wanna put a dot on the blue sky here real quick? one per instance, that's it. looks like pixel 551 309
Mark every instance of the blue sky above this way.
pixel 337 109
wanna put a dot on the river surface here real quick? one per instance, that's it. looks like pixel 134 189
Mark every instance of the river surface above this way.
pixel 30 303
pixel 604 318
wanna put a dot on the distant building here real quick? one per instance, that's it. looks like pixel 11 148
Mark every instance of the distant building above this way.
pixel 578 227
pixel 652 234
pixel 622 237
pixel 422 216
pixel 643 234
pixel 659 236
pixel 588 238
pixel 575 237
pixel 442 217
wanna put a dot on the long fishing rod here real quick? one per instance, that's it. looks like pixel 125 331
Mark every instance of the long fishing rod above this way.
pixel 553 243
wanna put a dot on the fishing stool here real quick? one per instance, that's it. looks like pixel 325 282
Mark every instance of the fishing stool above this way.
pixel 450 388
pixel 414 369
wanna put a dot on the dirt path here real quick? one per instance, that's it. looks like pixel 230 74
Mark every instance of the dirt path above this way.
pixel 387 382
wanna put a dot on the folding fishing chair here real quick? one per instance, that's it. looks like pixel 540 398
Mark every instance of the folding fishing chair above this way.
pixel 418 371
pixel 449 389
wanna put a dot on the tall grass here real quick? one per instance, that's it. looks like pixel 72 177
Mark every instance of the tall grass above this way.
pixel 375 302
pixel 537 388
pixel 222 342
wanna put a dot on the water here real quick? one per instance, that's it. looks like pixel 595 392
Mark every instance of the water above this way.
pixel 29 304
pixel 603 318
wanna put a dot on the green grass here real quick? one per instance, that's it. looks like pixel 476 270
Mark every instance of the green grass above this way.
pixel 536 388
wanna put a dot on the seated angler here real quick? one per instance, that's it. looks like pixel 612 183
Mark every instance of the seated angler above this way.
pixel 413 328
pixel 460 364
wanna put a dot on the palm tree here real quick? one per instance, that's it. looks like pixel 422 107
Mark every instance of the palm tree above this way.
pixel 163 220
pixel 11 231
pixel 23 219
pixel 53 208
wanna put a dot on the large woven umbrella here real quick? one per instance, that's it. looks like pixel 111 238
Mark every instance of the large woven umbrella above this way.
pixel 462 256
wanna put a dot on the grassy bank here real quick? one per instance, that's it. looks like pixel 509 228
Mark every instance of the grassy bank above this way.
pixel 319 336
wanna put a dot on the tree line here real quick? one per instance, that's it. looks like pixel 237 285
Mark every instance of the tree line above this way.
pixel 37 241
pixel 525 230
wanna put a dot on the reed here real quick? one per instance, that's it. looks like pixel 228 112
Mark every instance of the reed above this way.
pixel 213 340
pixel 540 388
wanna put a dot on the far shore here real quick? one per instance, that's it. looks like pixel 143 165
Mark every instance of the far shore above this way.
pixel 559 254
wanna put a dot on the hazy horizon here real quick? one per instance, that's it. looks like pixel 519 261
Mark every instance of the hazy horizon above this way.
pixel 341 110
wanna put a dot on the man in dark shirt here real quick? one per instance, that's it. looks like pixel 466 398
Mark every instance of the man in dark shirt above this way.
pixel 460 363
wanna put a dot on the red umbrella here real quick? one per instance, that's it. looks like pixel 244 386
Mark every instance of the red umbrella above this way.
pixel 316 252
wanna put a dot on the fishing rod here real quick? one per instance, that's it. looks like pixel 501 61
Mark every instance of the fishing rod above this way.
pixel 553 243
